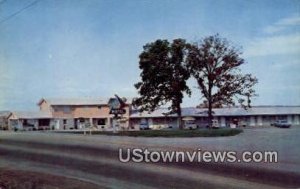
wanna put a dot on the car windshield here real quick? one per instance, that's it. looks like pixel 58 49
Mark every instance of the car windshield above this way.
pixel 190 122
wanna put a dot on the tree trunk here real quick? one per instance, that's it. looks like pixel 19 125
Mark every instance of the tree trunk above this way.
pixel 179 117
pixel 210 114
pixel 209 104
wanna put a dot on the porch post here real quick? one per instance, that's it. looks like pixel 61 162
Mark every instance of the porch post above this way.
pixel 91 122
pixel 108 122
pixel 91 125
pixel 289 119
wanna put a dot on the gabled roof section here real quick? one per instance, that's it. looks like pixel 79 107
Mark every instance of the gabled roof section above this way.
pixel 74 101
pixel 78 101
pixel 29 115
pixel 41 101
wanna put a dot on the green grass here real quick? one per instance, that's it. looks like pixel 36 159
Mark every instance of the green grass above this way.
pixel 172 133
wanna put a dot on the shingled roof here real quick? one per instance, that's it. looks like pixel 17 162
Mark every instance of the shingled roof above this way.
pixel 232 111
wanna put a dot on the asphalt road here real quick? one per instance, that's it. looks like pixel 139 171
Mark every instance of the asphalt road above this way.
pixel 95 159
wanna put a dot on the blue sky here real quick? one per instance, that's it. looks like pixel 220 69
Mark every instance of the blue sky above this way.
pixel 88 48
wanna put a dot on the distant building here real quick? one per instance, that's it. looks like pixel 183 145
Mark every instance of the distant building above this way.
pixel 79 113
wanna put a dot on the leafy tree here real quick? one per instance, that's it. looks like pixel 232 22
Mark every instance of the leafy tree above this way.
pixel 215 63
pixel 204 104
pixel 163 76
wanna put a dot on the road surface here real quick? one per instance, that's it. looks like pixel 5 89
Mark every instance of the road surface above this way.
pixel 95 159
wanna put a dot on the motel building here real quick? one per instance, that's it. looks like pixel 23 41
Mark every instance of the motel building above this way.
pixel 252 117
pixel 82 113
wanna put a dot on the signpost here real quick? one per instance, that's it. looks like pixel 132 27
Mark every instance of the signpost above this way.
pixel 116 106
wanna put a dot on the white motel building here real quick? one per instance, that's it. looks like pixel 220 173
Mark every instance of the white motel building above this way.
pixel 66 114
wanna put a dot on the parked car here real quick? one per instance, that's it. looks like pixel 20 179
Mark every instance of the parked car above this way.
pixel 190 124
pixel 282 124
pixel 215 124
pixel 144 126
pixel 159 127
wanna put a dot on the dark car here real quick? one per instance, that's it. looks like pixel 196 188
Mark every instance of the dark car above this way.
pixel 282 124
pixel 144 126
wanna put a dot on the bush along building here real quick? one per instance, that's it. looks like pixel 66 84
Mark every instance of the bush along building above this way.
pixel 81 113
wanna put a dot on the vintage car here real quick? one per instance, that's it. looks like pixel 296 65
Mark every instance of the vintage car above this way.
pixel 282 124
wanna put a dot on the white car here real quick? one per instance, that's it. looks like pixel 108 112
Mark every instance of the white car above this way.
pixel 282 124
pixel 158 127
pixel 190 124
pixel 215 124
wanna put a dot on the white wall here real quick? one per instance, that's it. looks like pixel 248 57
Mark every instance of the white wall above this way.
pixel 259 120
pixel 252 121
pixel 222 122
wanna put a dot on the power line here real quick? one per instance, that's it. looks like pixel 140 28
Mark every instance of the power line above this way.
pixel 18 12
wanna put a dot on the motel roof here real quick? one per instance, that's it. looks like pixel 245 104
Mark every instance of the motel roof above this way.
pixel 186 112
pixel 29 115
pixel 259 110
pixel 230 111
pixel 79 101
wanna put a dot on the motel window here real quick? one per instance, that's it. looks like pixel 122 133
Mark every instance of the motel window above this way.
pixel 65 121
pixel 44 122
pixel 66 109
pixel 282 117
pixel 144 121
pixel 101 122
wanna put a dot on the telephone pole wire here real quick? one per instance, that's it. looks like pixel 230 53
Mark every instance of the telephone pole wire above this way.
pixel 18 12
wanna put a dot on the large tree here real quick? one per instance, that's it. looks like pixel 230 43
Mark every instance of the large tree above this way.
pixel 163 76
pixel 215 64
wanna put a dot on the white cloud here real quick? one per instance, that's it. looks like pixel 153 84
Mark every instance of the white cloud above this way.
pixel 283 24
pixel 283 38
pixel 275 45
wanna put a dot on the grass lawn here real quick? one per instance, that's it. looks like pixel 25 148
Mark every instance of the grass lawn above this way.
pixel 172 133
